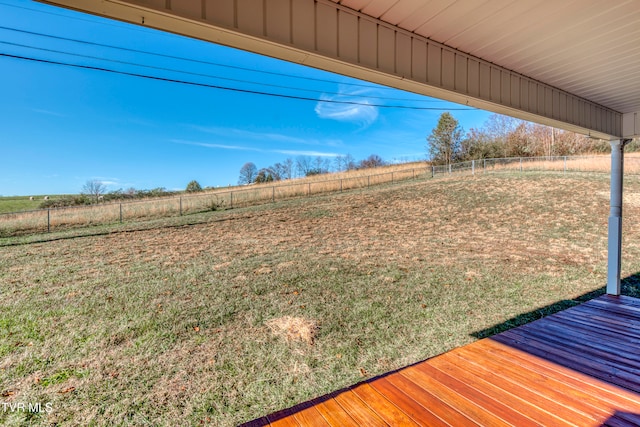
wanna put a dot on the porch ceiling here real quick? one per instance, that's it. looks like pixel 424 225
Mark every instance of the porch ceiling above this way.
pixel 573 64
pixel 590 48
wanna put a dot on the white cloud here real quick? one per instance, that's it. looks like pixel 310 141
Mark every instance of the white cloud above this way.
pixel 360 112
pixel 258 150
pixel 305 153
pixel 210 145
pixel 47 112
pixel 251 135
pixel 107 181
pixel 242 135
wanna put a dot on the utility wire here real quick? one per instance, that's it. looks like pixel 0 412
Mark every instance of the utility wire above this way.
pixel 201 74
pixel 92 21
pixel 197 61
pixel 211 86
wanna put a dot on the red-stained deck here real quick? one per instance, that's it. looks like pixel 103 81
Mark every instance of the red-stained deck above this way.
pixel 579 367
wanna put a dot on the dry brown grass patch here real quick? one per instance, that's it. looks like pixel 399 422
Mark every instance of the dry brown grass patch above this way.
pixel 294 328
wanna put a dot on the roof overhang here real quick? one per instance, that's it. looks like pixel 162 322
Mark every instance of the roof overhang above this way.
pixel 574 65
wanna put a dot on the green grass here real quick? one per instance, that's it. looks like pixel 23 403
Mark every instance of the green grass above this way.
pixel 19 203
pixel 10 204
pixel 167 322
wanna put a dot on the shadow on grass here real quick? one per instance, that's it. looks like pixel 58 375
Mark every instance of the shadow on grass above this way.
pixel 630 287
pixel 114 228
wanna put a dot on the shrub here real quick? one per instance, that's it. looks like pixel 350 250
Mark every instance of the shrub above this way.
pixel 216 205
pixel 66 201
pixel 194 187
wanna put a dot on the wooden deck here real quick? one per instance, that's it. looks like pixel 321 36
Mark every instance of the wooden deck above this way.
pixel 579 367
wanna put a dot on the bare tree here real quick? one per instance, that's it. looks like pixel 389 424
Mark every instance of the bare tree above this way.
pixel 326 165
pixel 499 127
pixel 373 161
pixel 304 165
pixel 344 163
pixel 288 168
pixel 248 173
pixel 279 171
pixel 321 165
pixel 94 189
pixel 350 163
pixel 265 175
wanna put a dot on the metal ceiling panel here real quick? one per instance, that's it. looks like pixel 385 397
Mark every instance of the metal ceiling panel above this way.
pixel 590 48
pixel 400 10
pixel 568 63
pixel 583 46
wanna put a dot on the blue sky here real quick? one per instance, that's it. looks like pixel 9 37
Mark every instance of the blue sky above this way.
pixel 63 125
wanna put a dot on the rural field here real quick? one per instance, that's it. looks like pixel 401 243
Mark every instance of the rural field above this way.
pixel 221 317
pixel 21 216
pixel 20 203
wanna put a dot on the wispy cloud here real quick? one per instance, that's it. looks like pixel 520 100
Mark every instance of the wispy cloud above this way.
pixel 107 181
pixel 361 112
pixel 211 145
pixel 247 135
pixel 262 139
pixel 258 150
pixel 48 112
pixel 305 153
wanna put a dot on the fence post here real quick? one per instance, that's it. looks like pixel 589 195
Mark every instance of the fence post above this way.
pixel 48 220
pixel 473 167
pixel 565 164
pixel 520 164
pixel 392 181
pixel 121 212
pixel 180 206
pixel 433 171
pixel 273 194
pixel 231 201
pixel 341 185
pixel 309 191
pixel 484 165
pixel 449 168
pixel 368 180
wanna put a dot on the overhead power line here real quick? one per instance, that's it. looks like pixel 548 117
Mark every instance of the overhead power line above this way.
pixel 196 61
pixel 122 26
pixel 211 86
pixel 201 74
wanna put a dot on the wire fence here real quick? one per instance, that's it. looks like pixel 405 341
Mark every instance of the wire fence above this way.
pixel 48 220
pixel 565 164
pixel 553 163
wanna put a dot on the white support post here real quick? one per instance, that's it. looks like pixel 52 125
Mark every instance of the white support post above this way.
pixel 614 261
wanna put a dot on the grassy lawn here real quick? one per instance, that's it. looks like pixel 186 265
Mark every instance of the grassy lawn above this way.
pixel 19 203
pixel 222 317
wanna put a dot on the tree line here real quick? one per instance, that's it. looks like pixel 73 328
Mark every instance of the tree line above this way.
pixel 500 136
pixel 304 166
pixel 503 136
pixel 95 191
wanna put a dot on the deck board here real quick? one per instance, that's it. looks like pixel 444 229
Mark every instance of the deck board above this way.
pixel 404 402
pixel 359 410
pixel 579 367
pixel 334 414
